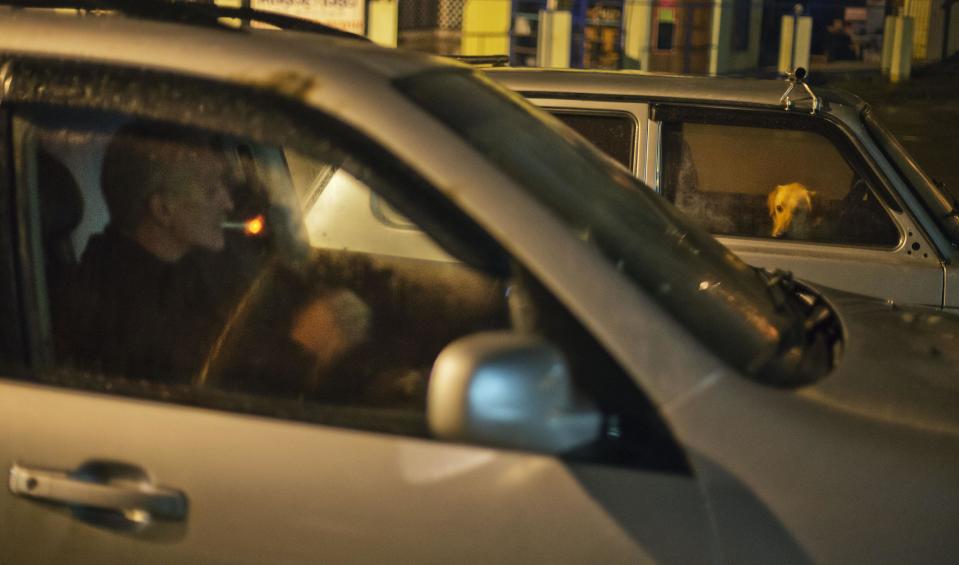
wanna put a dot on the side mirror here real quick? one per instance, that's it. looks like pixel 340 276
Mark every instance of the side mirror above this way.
pixel 508 390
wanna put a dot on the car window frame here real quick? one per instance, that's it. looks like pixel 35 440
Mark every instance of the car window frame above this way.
pixel 433 212
pixel 829 127
pixel 31 273
pixel 14 356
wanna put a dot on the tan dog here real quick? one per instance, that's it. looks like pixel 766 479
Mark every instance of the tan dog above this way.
pixel 789 202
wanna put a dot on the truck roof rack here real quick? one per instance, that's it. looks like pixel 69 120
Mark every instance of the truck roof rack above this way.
pixel 186 12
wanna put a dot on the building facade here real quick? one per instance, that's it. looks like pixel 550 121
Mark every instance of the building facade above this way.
pixel 677 36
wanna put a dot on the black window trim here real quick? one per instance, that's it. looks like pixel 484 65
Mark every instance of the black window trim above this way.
pixel 34 289
pixel 15 358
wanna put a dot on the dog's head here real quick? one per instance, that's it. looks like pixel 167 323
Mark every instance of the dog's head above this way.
pixel 786 202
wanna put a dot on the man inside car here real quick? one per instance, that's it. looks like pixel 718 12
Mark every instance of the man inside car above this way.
pixel 159 289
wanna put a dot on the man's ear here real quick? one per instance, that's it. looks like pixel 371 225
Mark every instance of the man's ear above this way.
pixel 160 209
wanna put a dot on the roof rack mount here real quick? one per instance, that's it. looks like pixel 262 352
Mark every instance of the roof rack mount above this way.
pixel 794 78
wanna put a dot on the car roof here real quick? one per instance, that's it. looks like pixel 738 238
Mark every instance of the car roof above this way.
pixel 227 53
pixel 682 88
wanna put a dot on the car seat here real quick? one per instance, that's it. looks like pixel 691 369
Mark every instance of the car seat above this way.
pixel 61 209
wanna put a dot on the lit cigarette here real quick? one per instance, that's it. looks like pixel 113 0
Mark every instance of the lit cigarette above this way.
pixel 252 227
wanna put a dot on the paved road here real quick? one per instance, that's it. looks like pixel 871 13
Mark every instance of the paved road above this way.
pixel 922 112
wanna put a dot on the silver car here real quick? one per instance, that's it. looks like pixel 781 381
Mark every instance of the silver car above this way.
pixel 828 193
pixel 433 325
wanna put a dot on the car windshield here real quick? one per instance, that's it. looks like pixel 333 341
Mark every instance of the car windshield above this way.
pixel 740 313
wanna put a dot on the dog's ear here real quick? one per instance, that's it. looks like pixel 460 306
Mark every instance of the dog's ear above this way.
pixel 771 201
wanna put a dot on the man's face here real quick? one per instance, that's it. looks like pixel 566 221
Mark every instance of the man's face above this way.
pixel 199 199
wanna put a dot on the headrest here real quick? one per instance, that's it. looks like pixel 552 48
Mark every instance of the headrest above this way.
pixel 61 203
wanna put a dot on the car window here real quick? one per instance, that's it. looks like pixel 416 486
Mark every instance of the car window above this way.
pixel 770 183
pixel 613 133
pixel 193 263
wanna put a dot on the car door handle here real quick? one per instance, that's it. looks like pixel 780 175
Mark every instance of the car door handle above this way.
pixel 108 493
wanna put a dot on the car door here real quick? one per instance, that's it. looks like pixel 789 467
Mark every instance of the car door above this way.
pixel 246 459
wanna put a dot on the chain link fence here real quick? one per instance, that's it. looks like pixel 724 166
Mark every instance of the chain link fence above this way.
pixel 430 25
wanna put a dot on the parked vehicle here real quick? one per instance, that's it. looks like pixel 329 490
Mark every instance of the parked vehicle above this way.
pixel 860 215
pixel 433 327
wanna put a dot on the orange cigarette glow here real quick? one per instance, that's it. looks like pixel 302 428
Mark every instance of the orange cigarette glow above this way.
pixel 254 226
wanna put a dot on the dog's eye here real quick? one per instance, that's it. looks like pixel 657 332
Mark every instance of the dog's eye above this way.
pixel 779 208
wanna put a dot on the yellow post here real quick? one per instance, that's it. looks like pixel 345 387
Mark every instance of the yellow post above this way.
pixel 901 65
pixel 795 43
pixel 888 39
pixel 637 27
pixel 382 22
pixel 553 40
pixel 485 27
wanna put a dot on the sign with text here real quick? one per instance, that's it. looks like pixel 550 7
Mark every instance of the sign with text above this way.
pixel 348 15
